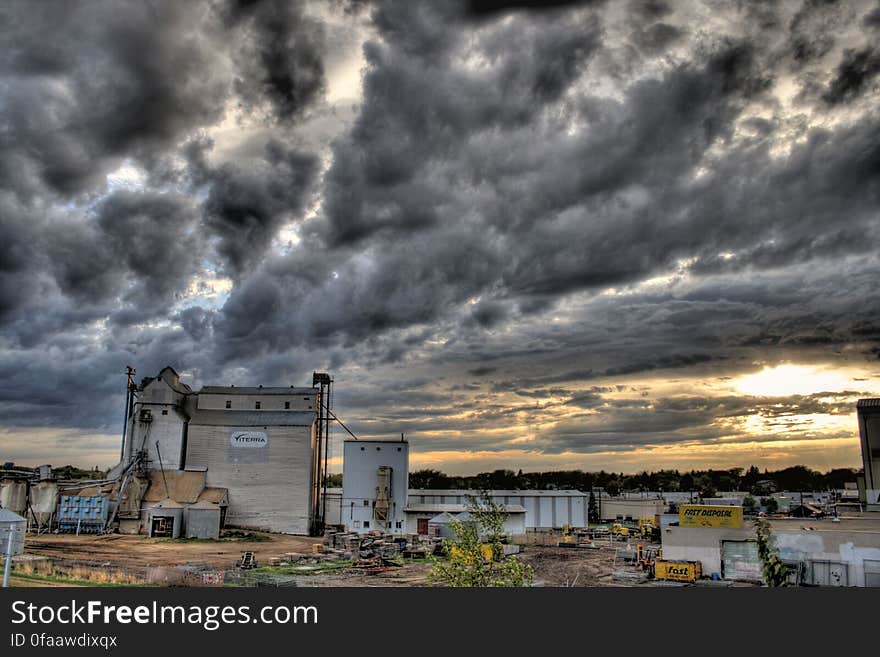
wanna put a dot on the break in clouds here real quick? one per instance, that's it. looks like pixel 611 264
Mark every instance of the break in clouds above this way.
pixel 526 238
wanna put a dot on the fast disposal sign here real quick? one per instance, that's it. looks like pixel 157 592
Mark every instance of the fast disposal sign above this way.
pixel 700 515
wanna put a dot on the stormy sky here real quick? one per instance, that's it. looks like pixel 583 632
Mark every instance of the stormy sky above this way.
pixel 619 235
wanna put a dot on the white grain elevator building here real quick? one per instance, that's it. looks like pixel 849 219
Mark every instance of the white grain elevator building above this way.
pixel 375 479
pixel 258 443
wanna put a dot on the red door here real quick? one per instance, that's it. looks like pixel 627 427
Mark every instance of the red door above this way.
pixel 423 526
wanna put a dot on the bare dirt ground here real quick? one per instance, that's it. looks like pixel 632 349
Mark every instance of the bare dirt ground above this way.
pixel 553 566
pixel 121 550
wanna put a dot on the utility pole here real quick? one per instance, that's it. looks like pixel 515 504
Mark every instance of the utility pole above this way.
pixel 129 384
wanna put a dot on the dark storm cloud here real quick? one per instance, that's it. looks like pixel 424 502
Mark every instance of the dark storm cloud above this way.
pixel 857 69
pixel 657 38
pixel 281 56
pixel 248 203
pixel 813 28
pixel 420 106
pixel 531 217
pixel 86 85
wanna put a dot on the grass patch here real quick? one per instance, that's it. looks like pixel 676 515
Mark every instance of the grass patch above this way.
pixel 75 575
pixel 59 579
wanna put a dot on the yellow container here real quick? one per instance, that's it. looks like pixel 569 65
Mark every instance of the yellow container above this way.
pixel 678 571
pixel 485 551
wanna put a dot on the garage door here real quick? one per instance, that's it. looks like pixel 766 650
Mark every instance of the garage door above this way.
pixel 872 572
pixel 739 561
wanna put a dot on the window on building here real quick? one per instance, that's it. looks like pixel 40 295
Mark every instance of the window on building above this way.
pixel 366 502
pixel 398 524
pixel 164 411
pixel 286 406
pixel 228 403
pixel 366 524
pixel 257 405
pixel 357 524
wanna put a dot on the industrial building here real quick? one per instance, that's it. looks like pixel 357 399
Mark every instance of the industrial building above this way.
pixel 544 509
pixel 244 456
pixel 845 552
pixel 621 508
pixel 375 480
pixel 868 413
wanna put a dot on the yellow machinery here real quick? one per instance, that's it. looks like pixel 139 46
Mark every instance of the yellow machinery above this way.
pixel 647 555
pixel 621 532
pixel 647 528
pixel 568 537
pixel 678 571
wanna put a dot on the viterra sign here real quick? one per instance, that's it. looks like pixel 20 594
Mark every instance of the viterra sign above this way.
pixel 248 439
pixel 700 515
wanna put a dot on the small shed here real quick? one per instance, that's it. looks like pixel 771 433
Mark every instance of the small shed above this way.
pixel 203 520
pixel 166 519
pixel 514 523
pixel 11 523
pixel 439 526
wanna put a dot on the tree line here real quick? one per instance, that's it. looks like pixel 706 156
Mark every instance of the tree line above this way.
pixel 704 482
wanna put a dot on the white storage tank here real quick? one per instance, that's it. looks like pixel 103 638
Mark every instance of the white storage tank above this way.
pixel 13 495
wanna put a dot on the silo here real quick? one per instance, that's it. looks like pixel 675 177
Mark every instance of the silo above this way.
pixel 165 519
pixel 203 520
pixel 13 495
pixel 44 502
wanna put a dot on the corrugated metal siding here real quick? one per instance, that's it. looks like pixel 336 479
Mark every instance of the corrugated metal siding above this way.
pixel 251 419
pixel 740 561
pixel 269 487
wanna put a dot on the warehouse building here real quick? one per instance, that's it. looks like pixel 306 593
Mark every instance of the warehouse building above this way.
pixel 619 508
pixel 254 449
pixel 820 552
pixel 544 509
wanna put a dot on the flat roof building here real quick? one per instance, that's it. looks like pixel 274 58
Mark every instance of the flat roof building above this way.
pixel 868 412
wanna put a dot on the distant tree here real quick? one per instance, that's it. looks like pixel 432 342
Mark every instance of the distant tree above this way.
pixel 687 481
pixel 334 480
pixel 750 478
pixel 705 486
pixel 592 509
pixel 770 504
pixel 428 479
pixel 749 504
